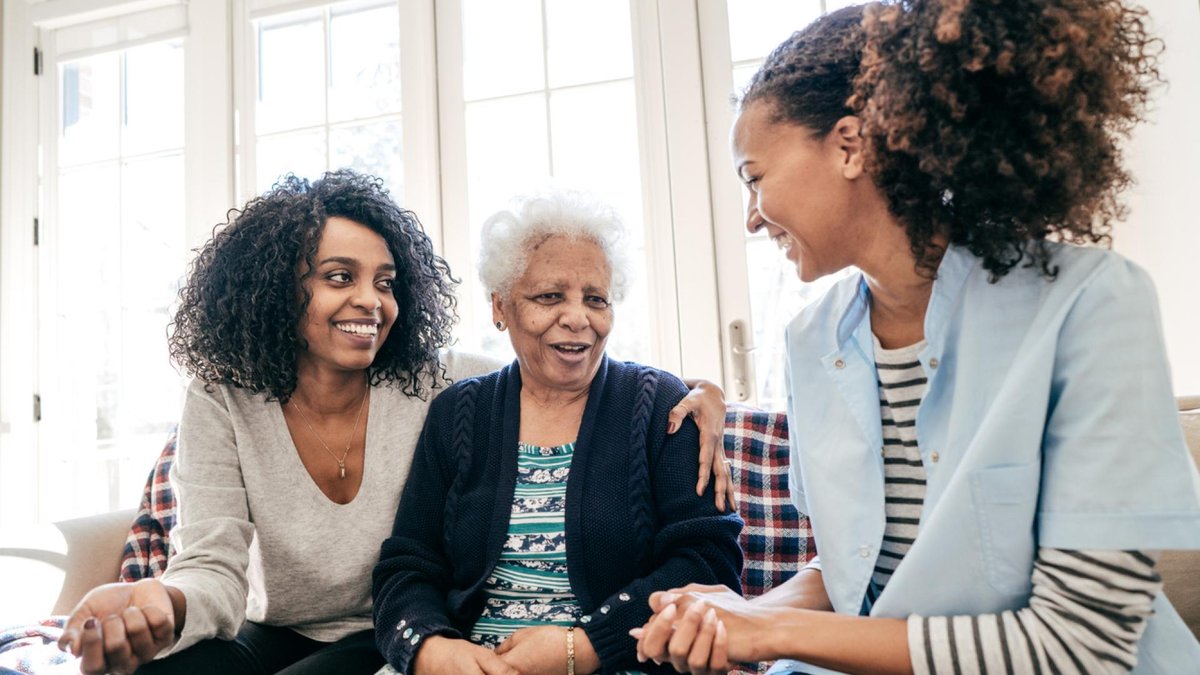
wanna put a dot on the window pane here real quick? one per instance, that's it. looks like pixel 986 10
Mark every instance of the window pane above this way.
pixel 502 48
pixel 291 72
pixel 364 63
pixel 90 97
pixel 301 153
pixel 372 148
pixel 595 147
pixel 588 41
pixel 758 26
pixel 153 98
pixel 507 153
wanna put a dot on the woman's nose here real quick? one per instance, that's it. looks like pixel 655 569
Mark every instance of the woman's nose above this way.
pixel 754 219
pixel 574 316
pixel 367 297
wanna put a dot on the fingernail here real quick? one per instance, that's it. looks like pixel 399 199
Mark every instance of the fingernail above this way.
pixel 671 427
pixel 89 624
pixel 635 632
pixel 669 597
pixel 710 616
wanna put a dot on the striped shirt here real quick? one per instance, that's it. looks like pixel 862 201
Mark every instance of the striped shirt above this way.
pixel 1087 609
pixel 529 585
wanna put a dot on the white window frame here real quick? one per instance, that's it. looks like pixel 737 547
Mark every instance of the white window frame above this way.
pixel 27 183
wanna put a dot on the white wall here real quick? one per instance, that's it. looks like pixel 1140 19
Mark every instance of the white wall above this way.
pixel 1162 232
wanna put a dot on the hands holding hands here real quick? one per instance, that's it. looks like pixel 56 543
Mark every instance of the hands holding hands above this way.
pixel 117 627
pixel 699 629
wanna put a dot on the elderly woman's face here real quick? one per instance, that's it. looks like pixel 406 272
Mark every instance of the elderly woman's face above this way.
pixel 559 313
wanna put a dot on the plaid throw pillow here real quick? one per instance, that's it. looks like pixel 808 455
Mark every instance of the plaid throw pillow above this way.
pixel 148 545
pixel 777 540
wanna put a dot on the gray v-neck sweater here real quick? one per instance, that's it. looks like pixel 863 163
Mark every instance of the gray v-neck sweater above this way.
pixel 257 539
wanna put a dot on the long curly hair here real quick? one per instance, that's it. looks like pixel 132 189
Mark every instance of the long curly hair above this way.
pixel 996 123
pixel 239 312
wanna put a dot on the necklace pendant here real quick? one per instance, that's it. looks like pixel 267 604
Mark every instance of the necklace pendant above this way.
pixel 341 470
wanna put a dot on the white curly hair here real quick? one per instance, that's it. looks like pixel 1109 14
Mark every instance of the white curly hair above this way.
pixel 509 236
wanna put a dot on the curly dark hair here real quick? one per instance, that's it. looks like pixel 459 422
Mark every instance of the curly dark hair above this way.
pixel 243 300
pixel 996 123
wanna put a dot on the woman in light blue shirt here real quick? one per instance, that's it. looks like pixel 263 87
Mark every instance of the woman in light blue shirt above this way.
pixel 982 422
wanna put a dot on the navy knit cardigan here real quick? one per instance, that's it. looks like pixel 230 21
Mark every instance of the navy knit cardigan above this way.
pixel 634 524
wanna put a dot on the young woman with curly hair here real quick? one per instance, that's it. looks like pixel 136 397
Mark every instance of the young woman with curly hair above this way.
pixel 983 428
pixel 314 324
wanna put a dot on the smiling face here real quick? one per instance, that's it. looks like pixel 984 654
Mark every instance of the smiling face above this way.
pixel 803 187
pixel 352 307
pixel 558 314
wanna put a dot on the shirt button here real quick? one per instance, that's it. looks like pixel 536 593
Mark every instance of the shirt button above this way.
pixel 933 456
pixel 864 551
pixel 839 364
pixel 933 363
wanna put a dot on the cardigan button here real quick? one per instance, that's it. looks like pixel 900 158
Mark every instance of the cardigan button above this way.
pixel 585 619
pixel 407 633
pixel 839 364
pixel 604 609
pixel 415 639
pixel 864 551
pixel 933 363
pixel 624 597
pixel 934 456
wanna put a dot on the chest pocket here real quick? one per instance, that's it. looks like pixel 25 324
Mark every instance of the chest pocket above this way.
pixel 1005 502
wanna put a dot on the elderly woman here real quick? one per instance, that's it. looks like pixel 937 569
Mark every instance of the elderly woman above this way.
pixel 546 501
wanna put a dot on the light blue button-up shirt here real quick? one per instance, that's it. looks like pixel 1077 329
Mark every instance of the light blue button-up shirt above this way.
pixel 1050 409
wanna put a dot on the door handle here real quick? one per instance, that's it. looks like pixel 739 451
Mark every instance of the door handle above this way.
pixel 741 347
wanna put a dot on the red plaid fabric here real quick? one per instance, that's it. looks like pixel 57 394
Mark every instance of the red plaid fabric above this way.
pixel 148 545
pixel 777 540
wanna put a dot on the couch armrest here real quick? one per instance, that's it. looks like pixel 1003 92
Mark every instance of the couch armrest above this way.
pixel 94 548
pixel 47 568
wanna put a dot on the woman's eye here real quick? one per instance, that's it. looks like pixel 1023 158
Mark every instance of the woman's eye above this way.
pixel 387 283
pixel 597 301
pixel 548 297
pixel 339 277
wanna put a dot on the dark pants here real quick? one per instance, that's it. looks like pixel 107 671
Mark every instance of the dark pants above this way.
pixel 266 650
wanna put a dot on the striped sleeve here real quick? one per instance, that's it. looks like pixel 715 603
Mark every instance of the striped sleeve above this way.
pixel 1087 611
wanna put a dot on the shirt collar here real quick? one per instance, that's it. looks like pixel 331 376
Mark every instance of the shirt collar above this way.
pixel 956 265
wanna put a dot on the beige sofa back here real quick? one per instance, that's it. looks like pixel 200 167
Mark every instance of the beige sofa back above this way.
pixel 1181 569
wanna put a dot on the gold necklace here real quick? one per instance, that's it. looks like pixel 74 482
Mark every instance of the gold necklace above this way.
pixel 340 462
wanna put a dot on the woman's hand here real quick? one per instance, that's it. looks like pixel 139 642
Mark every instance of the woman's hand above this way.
pixel 440 654
pixel 705 402
pixel 543 649
pixel 117 627
pixel 699 629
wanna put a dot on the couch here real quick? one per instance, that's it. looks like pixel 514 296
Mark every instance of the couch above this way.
pixel 58 563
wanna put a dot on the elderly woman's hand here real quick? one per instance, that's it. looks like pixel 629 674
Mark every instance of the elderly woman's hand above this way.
pixel 543 649
pixel 440 654
pixel 705 402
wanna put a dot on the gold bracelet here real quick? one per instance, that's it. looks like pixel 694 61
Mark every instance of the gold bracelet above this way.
pixel 570 650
